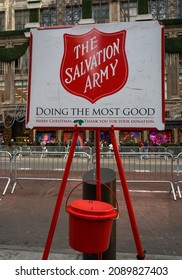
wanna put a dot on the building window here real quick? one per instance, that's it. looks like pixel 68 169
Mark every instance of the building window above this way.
pixel 21 89
pixel 162 9
pixel 180 60
pixel 179 9
pixel 21 18
pixel 48 16
pixel 73 12
pixel 131 136
pixel 100 12
pixel 2 91
pixel 167 114
pixel 158 9
pixel 2 68
pixel 160 137
pixel 2 21
pixel 21 64
pixel 128 11
pixel 180 84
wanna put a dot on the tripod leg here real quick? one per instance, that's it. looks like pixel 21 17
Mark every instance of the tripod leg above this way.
pixel 98 189
pixel 60 197
pixel 141 253
pixel 98 175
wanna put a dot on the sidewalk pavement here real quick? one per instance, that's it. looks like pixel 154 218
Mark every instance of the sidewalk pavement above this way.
pixel 7 253
pixel 25 218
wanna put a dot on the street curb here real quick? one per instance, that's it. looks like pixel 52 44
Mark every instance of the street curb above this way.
pixel 7 253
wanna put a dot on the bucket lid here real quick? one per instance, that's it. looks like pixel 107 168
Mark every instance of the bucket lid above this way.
pixel 92 209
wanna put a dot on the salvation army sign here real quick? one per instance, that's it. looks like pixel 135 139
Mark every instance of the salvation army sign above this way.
pixel 96 76
pixel 94 64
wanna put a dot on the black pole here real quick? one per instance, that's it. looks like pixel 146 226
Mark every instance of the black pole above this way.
pixel 108 177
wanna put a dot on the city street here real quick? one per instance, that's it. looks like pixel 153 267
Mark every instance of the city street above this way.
pixel 26 216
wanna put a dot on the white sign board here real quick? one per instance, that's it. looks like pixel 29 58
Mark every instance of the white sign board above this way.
pixel 96 76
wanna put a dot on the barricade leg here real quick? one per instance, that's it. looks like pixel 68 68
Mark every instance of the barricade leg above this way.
pixel 178 191
pixel 7 184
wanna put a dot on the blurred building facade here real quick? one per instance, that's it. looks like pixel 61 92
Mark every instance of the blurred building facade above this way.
pixel 16 19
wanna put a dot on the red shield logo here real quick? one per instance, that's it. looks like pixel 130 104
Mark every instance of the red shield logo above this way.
pixel 94 64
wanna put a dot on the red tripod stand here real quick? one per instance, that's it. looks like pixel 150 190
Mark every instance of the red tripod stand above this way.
pixel 140 251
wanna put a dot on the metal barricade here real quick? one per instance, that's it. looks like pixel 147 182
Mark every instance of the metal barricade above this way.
pixel 153 167
pixel 152 149
pixel 129 149
pixel 139 168
pixel 6 170
pixel 179 173
pixel 47 166
pixel 85 149
pixel 174 150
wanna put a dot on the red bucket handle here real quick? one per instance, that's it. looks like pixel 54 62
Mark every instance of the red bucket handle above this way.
pixel 97 181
